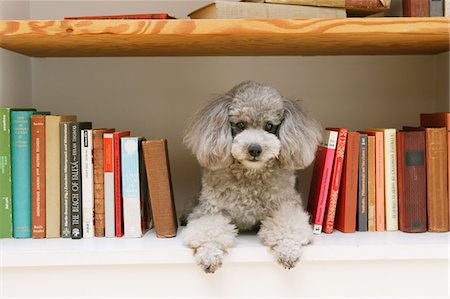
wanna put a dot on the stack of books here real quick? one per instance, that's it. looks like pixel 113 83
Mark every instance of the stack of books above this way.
pixel 61 178
pixel 381 179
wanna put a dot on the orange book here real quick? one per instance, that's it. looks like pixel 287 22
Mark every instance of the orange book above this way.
pixel 440 119
pixel 348 193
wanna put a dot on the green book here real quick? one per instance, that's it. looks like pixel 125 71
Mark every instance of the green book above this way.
pixel 6 227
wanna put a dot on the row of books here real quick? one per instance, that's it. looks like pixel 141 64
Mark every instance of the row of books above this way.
pixel 62 178
pixel 383 179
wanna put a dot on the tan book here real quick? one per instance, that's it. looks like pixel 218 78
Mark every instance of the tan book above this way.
pixel 437 197
pixel 160 187
pixel 99 187
pixel 371 206
pixel 52 171
pixel 247 10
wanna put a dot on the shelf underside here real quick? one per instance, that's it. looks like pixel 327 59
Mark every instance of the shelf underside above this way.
pixel 351 36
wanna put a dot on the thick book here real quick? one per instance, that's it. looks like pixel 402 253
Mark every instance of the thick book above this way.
pixel 361 216
pixel 347 203
pixel 6 225
pixel 87 181
pixel 416 8
pixel 52 173
pixel 371 203
pixel 21 172
pixel 335 181
pixel 390 177
pixel 108 170
pixel 437 196
pixel 118 201
pixel 412 182
pixel 99 191
pixel 136 205
pixel 437 120
pixel 159 181
pixel 380 219
pixel 247 10
pixel 38 193
pixel 436 8
pixel 65 177
pixel 320 182
pixel 76 221
pixel 152 16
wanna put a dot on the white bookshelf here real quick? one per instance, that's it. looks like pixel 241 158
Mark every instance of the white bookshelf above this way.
pixel 353 88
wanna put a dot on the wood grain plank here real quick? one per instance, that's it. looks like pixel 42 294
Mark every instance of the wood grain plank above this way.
pixel 351 36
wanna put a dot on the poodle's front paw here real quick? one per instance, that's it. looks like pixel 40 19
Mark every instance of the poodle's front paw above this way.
pixel 288 253
pixel 307 236
pixel 209 258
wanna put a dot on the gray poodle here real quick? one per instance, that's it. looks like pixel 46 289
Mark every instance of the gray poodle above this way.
pixel 250 142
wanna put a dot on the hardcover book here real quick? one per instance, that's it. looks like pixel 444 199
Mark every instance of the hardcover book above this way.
pixel 65 152
pixel 118 182
pixel 76 182
pixel 162 204
pixel 361 216
pixel 320 181
pixel 136 205
pixel 99 190
pixel 87 181
pixel 416 8
pixel 108 158
pixel 371 204
pixel 412 189
pixel 6 227
pixel 335 182
pixel 52 173
pixel 347 203
pixel 436 8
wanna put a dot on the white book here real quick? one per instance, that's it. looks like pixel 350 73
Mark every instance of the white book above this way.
pixel 87 181
pixel 447 8
pixel 108 175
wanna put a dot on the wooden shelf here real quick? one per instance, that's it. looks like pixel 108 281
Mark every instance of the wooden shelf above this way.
pixel 351 36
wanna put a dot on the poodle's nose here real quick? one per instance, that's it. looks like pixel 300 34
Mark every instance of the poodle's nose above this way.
pixel 254 150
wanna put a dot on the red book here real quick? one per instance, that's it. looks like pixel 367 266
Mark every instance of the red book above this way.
pixel 412 184
pixel 348 194
pixel 320 182
pixel 335 182
pixel 118 182
pixel 152 16
pixel 416 8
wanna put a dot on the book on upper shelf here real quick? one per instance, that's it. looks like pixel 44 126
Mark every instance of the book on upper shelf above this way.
pixel 412 189
pixel 335 181
pixel 247 10
pixel 162 203
pixel 416 8
pixel 152 16
pixel 320 181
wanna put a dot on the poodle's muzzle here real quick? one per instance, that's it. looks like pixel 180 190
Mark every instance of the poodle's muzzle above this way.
pixel 253 148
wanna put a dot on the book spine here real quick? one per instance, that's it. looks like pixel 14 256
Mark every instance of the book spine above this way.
pixel 131 187
pixel 99 197
pixel 146 214
pixel 447 8
pixel 75 182
pixel 361 223
pixel 437 197
pixel 65 152
pixel 38 176
pixel 335 182
pixel 380 201
pixel 118 204
pixel 108 165
pixel 5 175
pixel 160 187
pixel 21 172
pixel 416 8
pixel 371 205
pixel 390 169
pixel 436 8
pixel 87 181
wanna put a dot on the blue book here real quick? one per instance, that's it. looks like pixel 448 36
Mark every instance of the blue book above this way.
pixel 21 172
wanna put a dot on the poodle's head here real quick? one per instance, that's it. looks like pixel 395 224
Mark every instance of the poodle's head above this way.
pixel 253 124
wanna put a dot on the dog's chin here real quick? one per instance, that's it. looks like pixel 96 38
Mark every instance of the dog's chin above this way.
pixel 253 164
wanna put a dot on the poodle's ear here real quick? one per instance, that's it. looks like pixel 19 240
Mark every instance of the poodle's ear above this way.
pixel 299 134
pixel 208 134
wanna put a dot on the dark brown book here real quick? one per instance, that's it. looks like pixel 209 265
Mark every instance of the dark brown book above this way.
pixel 99 190
pixel 416 8
pixel 160 187
pixel 437 196
pixel 38 176
pixel 412 186
pixel 347 201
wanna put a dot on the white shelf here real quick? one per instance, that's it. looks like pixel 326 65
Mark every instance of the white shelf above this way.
pixel 151 250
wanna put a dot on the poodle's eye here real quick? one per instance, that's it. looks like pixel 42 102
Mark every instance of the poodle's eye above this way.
pixel 270 127
pixel 240 125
